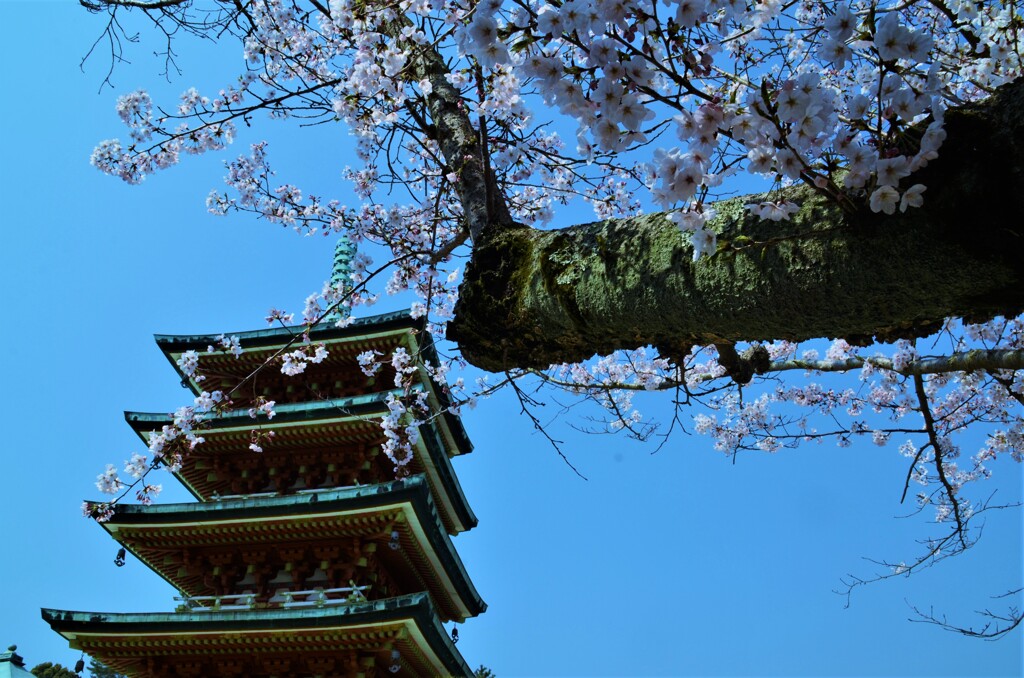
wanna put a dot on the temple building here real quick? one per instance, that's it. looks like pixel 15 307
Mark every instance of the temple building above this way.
pixel 12 665
pixel 312 558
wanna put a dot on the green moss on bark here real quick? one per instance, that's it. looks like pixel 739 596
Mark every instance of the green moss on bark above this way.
pixel 532 298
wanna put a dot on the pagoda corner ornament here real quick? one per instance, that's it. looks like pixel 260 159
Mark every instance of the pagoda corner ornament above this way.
pixel 310 559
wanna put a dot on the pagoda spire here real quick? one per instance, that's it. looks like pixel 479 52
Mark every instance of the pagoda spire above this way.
pixel 341 276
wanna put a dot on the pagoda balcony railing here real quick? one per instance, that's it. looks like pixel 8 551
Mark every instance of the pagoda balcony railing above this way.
pixel 318 597
pixel 216 496
pixel 240 601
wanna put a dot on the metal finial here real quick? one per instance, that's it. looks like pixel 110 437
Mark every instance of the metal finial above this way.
pixel 341 273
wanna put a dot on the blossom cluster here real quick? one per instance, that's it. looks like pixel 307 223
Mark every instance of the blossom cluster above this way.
pixel 613 380
pixel 744 92
pixel 226 344
pixel 903 397
pixel 887 404
pixel 668 107
pixel 262 406
pixel 401 430
pixel 295 362
pixel 167 448
pixel 833 104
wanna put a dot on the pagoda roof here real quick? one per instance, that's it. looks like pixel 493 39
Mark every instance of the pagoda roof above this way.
pixel 367 404
pixel 320 517
pixel 258 642
pixel 274 336
pixel 400 327
pixel 348 417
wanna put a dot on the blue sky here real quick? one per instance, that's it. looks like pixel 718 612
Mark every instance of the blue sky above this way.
pixel 673 564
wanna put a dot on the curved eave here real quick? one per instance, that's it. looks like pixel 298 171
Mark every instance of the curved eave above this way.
pixel 455 434
pixel 386 324
pixel 411 496
pixel 275 336
pixel 431 449
pixel 361 405
pixel 407 621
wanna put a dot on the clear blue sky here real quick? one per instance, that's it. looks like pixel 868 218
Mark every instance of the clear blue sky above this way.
pixel 674 564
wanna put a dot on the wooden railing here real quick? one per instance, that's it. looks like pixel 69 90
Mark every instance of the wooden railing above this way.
pixel 318 597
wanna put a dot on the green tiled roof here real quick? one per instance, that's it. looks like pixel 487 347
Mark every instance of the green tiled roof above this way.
pixel 413 490
pixel 172 344
pixel 416 606
pixel 143 422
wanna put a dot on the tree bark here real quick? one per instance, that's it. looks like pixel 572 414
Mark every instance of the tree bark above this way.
pixel 532 298
pixel 459 142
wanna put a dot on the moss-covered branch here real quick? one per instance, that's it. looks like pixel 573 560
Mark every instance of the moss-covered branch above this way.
pixel 532 298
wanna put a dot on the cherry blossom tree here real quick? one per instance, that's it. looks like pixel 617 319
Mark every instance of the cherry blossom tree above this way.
pixel 760 174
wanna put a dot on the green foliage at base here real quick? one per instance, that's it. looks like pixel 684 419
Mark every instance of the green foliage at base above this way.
pixel 51 670
pixel 98 669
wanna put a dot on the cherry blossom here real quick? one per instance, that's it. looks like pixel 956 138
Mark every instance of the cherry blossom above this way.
pixel 668 107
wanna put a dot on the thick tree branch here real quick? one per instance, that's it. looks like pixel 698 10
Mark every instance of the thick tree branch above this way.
pixel 987 360
pixel 138 4
pixel 459 139
pixel 533 298
pixel 743 367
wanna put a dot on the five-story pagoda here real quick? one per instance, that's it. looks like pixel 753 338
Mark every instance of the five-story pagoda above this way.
pixel 312 557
